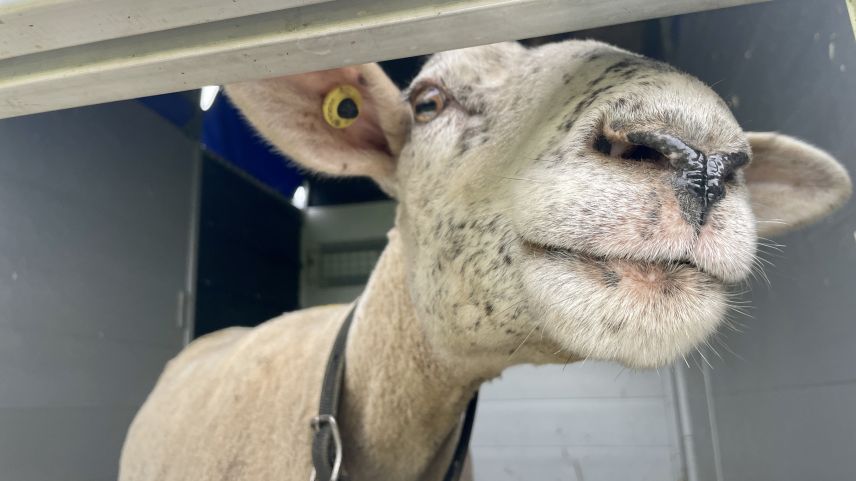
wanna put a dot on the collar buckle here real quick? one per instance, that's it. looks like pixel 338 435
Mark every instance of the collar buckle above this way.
pixel 327 421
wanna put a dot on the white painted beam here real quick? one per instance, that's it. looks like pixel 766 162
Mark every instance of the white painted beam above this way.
pixel 32 26
pixel 300 39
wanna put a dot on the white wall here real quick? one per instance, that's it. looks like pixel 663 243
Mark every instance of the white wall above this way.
pixel 592 421
pixel 339 224
pixel 783 404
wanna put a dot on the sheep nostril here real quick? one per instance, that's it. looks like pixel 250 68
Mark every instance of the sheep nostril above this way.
pixel 621 149
pixel 642 153
pixel 602 144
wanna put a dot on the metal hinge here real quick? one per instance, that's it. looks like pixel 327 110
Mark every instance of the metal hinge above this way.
pixel 184 314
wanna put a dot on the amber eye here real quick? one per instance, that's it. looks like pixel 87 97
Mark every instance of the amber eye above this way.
pixel 428 103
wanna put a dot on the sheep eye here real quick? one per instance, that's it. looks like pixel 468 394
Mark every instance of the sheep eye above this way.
pixel 427 103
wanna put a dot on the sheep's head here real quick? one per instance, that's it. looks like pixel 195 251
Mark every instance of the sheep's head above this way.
pixel 564 202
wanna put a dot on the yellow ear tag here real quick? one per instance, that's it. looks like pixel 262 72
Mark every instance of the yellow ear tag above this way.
pixel 342 106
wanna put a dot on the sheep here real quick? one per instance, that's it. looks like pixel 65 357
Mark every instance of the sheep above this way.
pixel 567 202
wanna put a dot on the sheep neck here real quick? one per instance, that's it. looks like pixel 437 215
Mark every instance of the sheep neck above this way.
pixel 402 402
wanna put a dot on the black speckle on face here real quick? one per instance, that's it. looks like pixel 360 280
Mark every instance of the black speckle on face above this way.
pixel 611 278
pixel 582 105
pixel 466 140
pixel 668 289
pixel 507 260
pixel 488 308
pixel 568 123
pixel 616 327
pixel 646 232
pixel 594 56
pixel 652 218
pixel 456 249
pixel 595 81
pixel 551 156
pixel 655 208
pixel 474 135
pixel 566 78
pixel 627 64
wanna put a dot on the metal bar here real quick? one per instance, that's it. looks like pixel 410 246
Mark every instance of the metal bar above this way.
pixel 297 40
pixel 32 26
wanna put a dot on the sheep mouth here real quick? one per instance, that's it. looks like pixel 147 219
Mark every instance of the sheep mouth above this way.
pixel 552 253
pixel 638 312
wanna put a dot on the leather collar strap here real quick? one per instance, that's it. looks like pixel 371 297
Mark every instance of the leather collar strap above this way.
pixel 327 441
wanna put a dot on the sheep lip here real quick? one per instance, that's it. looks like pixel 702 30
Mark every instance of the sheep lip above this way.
pixel 546 250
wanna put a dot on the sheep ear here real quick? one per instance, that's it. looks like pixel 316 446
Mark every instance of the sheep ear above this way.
pixel 791 183
pixel 287 111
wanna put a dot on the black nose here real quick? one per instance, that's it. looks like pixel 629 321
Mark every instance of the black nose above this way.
pixel 702 175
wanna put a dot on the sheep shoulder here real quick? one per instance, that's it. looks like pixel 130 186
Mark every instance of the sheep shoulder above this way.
pixel 235 403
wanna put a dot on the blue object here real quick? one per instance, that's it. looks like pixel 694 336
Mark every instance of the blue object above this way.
pixel 229 136
pixel 173 107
